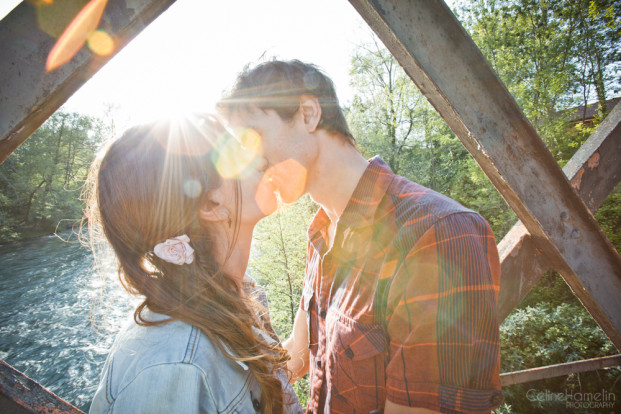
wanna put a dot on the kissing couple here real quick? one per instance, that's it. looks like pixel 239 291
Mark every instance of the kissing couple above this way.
pixel 398 311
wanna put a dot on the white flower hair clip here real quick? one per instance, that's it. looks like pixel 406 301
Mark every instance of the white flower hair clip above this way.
pixel 176 250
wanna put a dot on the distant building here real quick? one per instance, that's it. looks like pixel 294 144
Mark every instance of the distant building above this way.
pixel 587 114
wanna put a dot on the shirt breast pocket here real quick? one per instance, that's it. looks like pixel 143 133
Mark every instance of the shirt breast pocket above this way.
pixel 359 363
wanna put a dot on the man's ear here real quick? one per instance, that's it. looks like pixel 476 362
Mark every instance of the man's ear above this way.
pixel 311 111
pixel 212 213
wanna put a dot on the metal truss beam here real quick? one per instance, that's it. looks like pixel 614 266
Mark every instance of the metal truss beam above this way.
pixel 21 395
pixel 443 61
pixel 594 171
pixel 29 94
pixel 559 370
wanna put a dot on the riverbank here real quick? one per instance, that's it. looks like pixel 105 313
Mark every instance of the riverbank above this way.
pixel 14 235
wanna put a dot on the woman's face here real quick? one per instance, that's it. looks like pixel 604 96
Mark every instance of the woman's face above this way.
pixel 257 197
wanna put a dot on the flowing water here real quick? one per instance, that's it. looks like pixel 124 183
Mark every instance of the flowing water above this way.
pixel 58 316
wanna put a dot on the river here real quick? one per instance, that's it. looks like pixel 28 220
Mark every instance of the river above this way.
pixel 58 316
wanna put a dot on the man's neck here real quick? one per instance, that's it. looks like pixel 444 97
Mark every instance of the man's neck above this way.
pixel 335 174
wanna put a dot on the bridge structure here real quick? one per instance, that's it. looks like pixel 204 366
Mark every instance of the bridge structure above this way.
pixel 556 228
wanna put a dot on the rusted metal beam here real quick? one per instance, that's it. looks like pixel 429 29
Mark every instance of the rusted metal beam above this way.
pixel 19 394
pixel 29 94
pixel 558 370
pixel 594 171
pixel 443 61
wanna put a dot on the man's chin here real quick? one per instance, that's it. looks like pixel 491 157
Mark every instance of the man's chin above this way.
pixel 288 179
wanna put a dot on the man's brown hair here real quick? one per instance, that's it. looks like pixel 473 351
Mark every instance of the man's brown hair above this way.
pixel 278 85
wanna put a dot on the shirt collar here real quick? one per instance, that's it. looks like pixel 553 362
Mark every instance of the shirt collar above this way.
pixel 361 208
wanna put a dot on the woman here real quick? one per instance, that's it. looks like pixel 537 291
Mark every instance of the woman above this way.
pixel 201 341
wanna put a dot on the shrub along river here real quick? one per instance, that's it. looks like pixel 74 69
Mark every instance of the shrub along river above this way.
pixel 58 316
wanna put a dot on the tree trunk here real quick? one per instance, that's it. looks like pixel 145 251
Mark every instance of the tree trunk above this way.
pixel 283 249
pixel 29 204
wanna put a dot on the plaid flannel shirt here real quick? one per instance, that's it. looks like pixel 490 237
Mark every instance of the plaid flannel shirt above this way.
pixel 403 307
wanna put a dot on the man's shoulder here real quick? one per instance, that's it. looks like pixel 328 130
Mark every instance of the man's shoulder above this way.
pixel 412 200
pixel 415 209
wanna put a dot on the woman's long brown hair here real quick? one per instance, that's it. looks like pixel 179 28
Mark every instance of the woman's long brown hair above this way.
pixel 149 187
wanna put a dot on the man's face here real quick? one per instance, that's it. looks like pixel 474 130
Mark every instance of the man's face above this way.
pixel 283 144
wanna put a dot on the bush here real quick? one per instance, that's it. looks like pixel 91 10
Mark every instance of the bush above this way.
pixel 542 335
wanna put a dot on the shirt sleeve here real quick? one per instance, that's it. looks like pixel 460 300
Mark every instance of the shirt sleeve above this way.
pixel 166 388
pixel 442 319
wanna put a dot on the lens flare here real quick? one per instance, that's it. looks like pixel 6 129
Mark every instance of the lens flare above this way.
pixel 252 141
pixel 76 34
pixel 192 188
pixel 232 159
pixel 265 196
pixel 39 3
pixel 100 43
pixel 288 179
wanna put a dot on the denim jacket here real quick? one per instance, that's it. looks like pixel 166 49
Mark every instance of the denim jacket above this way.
pixel 175 368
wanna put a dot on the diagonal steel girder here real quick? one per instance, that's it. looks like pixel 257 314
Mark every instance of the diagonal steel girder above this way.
pixel 594 171
pixel 29 94
pixel 448 68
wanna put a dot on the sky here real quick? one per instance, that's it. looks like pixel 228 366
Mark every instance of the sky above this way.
pixel 185 58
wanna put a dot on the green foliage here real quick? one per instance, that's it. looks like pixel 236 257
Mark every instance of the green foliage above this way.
pixel 473 189
pixel 278 260
pixel 551 288
pixel 504 409
pixel 609 217
pixel 551 55
pixel 386 110
pixel 551 326
pixel 391 118
pixel 547 334
pixel 301 388
pixel 41 181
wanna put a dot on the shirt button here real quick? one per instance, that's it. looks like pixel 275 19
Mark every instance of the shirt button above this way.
pixel 256 405
pixel 322 314
pixel 349 353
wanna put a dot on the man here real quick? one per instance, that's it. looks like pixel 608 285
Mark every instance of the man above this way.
pixel 398 312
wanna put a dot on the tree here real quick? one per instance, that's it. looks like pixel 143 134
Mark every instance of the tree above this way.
pixel 41 181
pixel 597 38
pixel 390 117
pixel 386 108
pixel 278 260
pixel 552 56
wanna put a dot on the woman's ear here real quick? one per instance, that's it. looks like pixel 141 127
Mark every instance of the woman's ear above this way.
pixel 212 213
pixel 311 110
